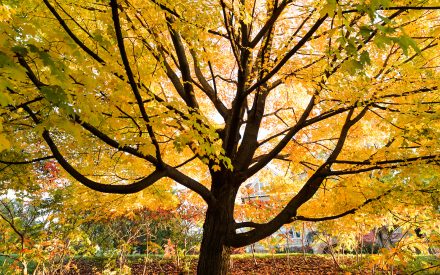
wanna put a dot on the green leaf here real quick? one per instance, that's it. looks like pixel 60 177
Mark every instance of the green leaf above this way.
pixel 56 95
pixel 382 41
pixel 46 58
pixel 56 68
pixel 5 99
pixel 352 66
pixel 365 31
pixel 351 47
pixel 365 58
pixel 33 48
pixel 4 143
pixel 20 50
pixel 405 42
pixel 385 29
pixel 5 61
pixel 329 8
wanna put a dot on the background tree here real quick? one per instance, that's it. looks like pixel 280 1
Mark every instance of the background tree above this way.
pixel 43 225
pixel 37 233
pixel 208 93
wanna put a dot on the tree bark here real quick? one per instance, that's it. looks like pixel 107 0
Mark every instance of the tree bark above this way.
pixel 215 253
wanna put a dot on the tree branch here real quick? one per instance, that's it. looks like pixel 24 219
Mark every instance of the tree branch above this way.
pixel 369 162
pixel 72 35
pixel 208 90
pixel 26 161
pixel 134 87
pixel 269 23
pixel 106 188
pixel 307 191
pixel 348 212
pixel 404 8
pixel 95 131
pixel 192 184
pixel 283 61
pixel 284 141
pixel 397 164
pixel 190 98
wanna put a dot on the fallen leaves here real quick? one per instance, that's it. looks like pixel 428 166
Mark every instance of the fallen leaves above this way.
pixel 294 264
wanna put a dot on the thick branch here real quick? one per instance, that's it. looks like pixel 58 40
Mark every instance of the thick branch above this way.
pixel 284 141
pixel 269 23
pixel 189 98
pixel 106 188
pixel 71 34
pixel 120 189
pixel 284 157
pixel 283 61
pixel 309 219
pixel 306 193
pixel 190 183
pixel 348 212
pixel 95 131
pixel 134 87
pixel 208 90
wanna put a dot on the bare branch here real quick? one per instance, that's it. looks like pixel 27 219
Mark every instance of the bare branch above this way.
pixel 134 87
pixel 26 161
pixel 402 8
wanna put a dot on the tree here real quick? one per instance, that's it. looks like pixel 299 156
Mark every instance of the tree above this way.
pixel 43 226
pixel 30 214
pixel 208 93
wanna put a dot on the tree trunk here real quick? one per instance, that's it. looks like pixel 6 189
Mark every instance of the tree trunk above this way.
pixel 215 254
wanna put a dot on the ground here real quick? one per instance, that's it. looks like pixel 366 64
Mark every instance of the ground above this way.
pixel 293 264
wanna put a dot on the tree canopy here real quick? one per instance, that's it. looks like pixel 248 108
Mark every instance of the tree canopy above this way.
pixel 339 98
